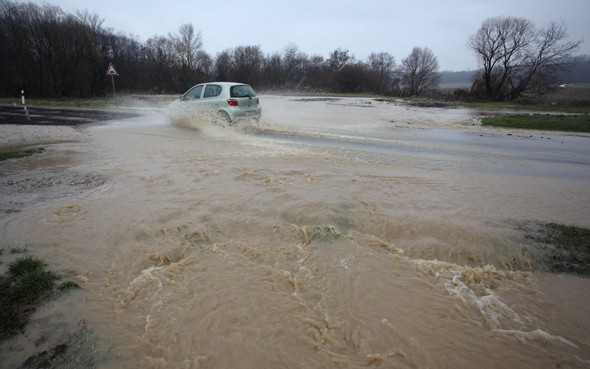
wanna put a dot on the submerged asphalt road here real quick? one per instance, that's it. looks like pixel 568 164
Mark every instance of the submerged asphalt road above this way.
pixel 537 154
pixel 530 153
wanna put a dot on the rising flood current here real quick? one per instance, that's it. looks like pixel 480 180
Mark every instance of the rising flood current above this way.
pixel 337 233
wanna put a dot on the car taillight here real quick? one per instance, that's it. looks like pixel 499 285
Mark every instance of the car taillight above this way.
pixel 257 101
pixel 232 102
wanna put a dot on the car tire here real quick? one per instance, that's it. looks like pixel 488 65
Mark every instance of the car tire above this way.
pixel 225 118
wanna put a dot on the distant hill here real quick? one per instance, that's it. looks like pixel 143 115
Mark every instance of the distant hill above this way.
pixel 456 79
pixel 579 72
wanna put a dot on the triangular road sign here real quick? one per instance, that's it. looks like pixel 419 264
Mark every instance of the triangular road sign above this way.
pixel 111 71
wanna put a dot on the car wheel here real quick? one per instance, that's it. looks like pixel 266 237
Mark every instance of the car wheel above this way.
pixel 225 118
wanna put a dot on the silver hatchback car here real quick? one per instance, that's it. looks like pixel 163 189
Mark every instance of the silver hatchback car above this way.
pixel 231 101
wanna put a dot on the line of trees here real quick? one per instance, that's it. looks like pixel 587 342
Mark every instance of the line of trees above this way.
pixel 49 52
pixel 54 53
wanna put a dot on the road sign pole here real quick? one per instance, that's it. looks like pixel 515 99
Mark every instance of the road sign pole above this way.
pixel 113 83
pixel 112 72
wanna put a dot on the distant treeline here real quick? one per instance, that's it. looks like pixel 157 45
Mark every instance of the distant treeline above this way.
pixel 51 53
pixel 578 71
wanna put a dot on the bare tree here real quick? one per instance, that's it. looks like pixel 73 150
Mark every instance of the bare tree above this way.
pixel 92 20
pixel 338 59
pixel 222 68
pixel 273 71
pixel 550 54
pixel 204 63
pixel 316 73
pixel 159 55
pixel 419 71
pixel 187 44
pixel 352 78
pixel 96 59
pixel 383 67
pixel 245 64
pixel 295 64
pixel 517 58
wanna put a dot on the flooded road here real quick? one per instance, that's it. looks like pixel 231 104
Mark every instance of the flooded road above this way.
pixel 340 233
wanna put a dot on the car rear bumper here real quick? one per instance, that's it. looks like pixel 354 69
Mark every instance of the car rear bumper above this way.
pixel 244 114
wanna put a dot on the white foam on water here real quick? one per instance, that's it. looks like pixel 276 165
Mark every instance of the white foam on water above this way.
pixel 537 335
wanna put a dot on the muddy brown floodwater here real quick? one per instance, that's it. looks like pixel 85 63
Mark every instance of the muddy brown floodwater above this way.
pixel 340 233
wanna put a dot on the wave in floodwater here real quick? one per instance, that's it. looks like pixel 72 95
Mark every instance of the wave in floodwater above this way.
pixel 205 120
pixel 195 118
pixel 202 246
pixel 322 297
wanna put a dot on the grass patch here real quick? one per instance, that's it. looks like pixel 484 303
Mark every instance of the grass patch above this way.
pixel 563 248
pixel 26 285
pixel 68 286
pixel 23 289
pixel 567 123
pixel 24 265
pixel 536 107
pixel 17 154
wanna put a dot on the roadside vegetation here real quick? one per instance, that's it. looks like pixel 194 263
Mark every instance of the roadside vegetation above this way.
pixel 17 154
pixel 538 107
pixel 548 122
pixel 562 248
pixel 25 285
pixel 566 108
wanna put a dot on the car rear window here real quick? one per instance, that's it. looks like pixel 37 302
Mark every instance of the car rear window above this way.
pixel 242 91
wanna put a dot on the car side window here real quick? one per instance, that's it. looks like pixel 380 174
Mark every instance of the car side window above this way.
pixel 212 91
pixel 194 93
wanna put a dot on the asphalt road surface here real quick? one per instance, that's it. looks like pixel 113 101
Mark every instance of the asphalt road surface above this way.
pixel 57 116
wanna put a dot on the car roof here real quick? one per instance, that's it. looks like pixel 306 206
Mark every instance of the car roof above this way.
pixel 223 83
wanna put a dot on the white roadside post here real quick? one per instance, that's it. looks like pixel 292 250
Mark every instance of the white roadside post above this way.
pixel 22 96
pixel 112 72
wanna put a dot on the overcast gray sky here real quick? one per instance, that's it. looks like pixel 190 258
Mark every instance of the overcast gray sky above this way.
pixel 318 27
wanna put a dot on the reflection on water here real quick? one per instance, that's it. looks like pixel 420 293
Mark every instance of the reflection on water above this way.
pixel 325 237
